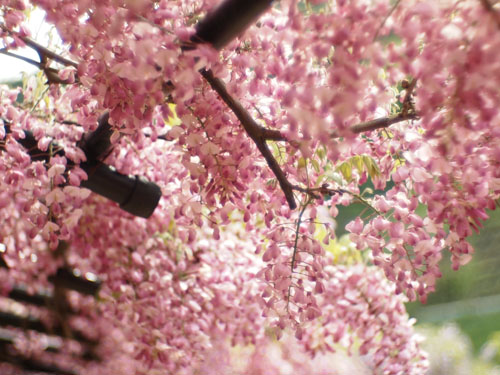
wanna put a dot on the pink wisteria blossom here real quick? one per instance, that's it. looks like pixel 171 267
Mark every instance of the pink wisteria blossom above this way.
pixel 256 147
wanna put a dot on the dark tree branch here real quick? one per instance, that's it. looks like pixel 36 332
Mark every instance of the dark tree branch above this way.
pixel 254 131
pixel 4 51
pixel 318 192
pixel 51 73
pixel 272 135
pixel 69 122
pixel 408 113
pixel 134 194
pixel 378 123
pixel 45 55
pixel 42 51
pixel 228 20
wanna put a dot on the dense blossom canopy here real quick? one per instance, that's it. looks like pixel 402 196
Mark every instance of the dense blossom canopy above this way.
pixel 256 146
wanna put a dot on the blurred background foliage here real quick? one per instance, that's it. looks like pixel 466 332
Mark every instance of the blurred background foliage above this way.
pixel 450 352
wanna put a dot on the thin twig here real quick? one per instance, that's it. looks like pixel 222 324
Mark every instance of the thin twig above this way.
pixel 44 54
pixel 296 240
pixel 51 73
pixel 386 18
pixel 408 113
pixel 364 202
pixel 4 51
pixel 41 50
pixel 69 122
pixel 322 190
pixel 48 53
pixel 378 123
pixel 299 221
pixel 39 99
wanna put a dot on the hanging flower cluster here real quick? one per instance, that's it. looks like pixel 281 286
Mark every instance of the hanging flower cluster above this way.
pixel 256 140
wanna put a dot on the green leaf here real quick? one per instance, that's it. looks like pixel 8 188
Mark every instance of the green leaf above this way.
pixel 302 163
pixel 389 38
pixel 346 170
pixel 315 165
pixel 357 161
pixel 362 163
pixel 371 166
pixel 321 153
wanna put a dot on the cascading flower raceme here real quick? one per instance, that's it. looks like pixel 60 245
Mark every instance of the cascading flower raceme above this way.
pixel 256 147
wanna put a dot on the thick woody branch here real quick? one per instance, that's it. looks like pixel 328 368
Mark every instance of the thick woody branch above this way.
pixel 256 132
pixel 228 20
pixel 134 194
pixel 272 135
